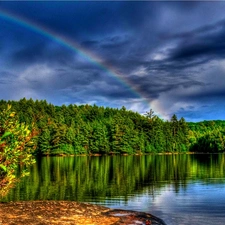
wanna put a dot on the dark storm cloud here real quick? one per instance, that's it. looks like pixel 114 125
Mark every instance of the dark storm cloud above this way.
pixel 115 42
pixel 82 18
pixel 112 91
pixel 42 53
pixel 153 87
pixel 28 54
pixel 168 52
pixel 201 30
pixel 206 41
pixel 207 95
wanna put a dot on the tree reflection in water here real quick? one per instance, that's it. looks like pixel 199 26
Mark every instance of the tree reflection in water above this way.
pixel 100 178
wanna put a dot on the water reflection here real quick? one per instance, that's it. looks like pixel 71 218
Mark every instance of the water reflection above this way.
pixel 172 187
pixel 94 178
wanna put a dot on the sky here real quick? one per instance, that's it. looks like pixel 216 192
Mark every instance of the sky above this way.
pixel 165 56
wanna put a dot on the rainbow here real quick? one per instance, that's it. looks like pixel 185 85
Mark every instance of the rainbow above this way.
pixel 72 45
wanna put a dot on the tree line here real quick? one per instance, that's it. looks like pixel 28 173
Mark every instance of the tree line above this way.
pixel 87 129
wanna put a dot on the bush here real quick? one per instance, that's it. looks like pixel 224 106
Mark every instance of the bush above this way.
pixel 15 149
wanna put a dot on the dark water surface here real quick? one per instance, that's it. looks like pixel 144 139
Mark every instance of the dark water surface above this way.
pixel 180 189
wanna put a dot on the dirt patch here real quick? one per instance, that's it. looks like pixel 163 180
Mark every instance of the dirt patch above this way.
pixel 66 212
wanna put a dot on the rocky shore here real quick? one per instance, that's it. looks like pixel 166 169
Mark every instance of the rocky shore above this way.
pixel 68 212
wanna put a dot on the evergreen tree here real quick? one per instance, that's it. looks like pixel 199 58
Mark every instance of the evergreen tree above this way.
pixel 89 129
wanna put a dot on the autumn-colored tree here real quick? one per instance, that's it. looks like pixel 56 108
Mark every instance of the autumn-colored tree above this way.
pixel 15 149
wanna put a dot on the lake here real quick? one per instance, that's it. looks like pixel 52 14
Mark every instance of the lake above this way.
pixel 180 189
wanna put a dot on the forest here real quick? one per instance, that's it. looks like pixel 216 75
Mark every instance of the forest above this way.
pixel 87 129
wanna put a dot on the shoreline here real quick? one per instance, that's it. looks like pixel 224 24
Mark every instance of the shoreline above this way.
pixel 142 154
pixel 70 212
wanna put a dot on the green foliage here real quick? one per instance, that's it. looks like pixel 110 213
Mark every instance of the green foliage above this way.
pixel 79 178
pixel 91 130
pixel 15 148
pixel 207 136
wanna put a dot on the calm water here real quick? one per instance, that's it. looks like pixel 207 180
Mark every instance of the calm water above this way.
pixel 180 189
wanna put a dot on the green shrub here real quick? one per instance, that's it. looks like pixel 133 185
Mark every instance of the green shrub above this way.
pixel 15 149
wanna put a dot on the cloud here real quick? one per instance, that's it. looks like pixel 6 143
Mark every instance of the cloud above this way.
pixel 170 54
pixel 188 98
pixel 207 41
